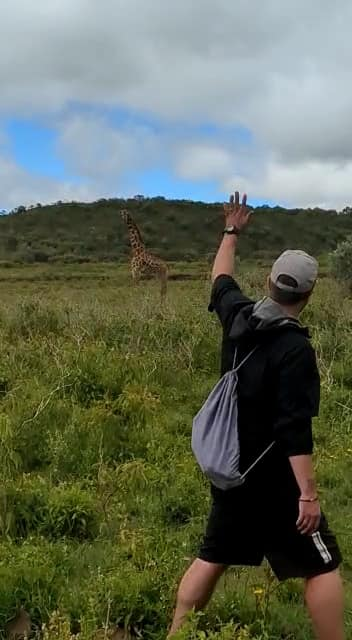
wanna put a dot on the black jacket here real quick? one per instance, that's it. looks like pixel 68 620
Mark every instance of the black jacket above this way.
pixel 279 386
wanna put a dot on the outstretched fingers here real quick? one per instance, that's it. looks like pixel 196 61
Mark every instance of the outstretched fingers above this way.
pixel 235 200
pixel 237 207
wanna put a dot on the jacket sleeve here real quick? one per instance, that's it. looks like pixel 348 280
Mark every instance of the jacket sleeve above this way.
pixel 297 401
pixel 227 300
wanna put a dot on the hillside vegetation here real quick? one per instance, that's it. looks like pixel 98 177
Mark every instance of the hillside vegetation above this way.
pixel 175 229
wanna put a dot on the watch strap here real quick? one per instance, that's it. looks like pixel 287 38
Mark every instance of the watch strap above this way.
pixel 231 230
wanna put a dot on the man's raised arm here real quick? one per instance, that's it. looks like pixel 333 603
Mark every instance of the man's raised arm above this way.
pixel 236 218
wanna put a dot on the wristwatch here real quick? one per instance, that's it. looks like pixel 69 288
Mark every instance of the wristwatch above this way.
pixel 231 230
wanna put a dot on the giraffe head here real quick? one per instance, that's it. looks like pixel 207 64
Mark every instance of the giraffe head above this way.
pixel 124 215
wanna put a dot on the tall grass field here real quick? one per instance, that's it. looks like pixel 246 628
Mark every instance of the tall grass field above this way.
pixel 102 505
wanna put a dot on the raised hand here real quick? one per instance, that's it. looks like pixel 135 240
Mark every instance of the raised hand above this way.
pixel 237 214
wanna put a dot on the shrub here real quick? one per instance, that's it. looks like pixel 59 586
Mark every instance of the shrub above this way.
pixel 23 508
pixel 32 508
pixel 32 575
pixel 72 513
pixel 341 261
pixel 34 318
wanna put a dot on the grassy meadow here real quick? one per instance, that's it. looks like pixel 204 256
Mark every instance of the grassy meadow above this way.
pixel 101 503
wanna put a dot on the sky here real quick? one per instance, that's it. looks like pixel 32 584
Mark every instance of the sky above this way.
pixel 180 99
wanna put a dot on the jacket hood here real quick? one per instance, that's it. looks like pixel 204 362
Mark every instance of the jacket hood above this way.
pixel 262 318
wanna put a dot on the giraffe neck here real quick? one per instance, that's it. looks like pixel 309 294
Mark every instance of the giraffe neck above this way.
pixel 136 242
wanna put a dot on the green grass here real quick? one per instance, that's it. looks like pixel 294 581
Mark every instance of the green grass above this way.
pixel 101 504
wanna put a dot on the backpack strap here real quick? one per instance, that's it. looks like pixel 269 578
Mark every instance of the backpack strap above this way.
pixel 254 464
pixel 268 448
pixel 238 366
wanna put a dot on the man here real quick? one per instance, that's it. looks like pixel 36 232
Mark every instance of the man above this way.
pixel 275 513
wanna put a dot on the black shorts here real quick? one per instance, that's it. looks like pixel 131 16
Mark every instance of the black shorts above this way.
pixel 242 531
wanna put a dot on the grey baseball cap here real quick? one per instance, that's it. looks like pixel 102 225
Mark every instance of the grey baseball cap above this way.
pixel 298 266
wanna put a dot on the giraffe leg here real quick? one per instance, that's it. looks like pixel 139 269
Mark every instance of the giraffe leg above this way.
pixel 135 272
pixel 163 279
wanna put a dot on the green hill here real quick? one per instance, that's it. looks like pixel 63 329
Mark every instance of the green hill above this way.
pixel 175 229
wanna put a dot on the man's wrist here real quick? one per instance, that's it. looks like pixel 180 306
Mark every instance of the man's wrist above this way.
pixel 231 230
pixel 230 239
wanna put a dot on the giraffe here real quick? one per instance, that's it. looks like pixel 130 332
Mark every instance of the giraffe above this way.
pixel 143 262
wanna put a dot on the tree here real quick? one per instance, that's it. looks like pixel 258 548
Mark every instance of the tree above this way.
pixel 341 261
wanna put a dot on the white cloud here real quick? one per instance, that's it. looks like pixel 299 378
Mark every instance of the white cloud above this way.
pixel 19 187
pixel 102 157
pixel 95 149
pixel 311 183
pixel 279 68
pixel 307 184
pixel 203 162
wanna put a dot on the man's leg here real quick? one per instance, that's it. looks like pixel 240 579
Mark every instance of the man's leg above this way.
pixel 195 590
pixel 325 603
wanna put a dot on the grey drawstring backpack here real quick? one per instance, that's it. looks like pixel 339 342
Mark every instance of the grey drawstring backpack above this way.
pixel 215 438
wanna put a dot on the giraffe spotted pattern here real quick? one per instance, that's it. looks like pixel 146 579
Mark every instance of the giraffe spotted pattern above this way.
pixel 144 263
